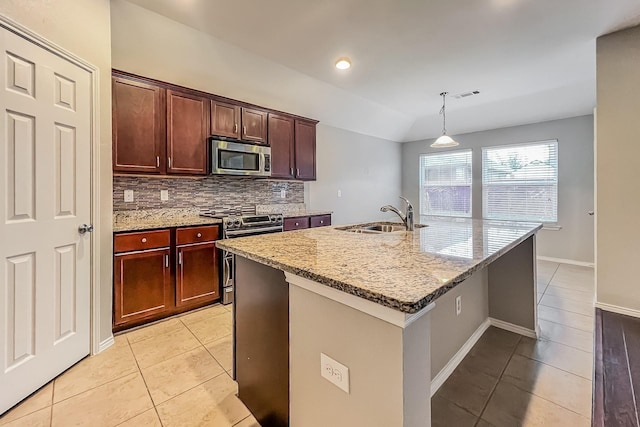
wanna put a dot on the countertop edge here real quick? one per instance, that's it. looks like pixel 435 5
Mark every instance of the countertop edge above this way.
pixel 403 306
pixel 141 226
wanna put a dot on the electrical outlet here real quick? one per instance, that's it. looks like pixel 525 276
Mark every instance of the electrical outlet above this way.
pixel 458 305
pixel 339 193
pixel 128 195
pixel 334 372
pixel 164 195
pixel 283 194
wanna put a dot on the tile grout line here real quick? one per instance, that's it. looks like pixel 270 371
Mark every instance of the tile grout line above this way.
pixel 565 325
pixel 145 386
pixel 568 311
pixel 493 390
pixel 53 390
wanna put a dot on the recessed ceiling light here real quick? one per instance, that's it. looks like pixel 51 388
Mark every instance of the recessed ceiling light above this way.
pixel 343 64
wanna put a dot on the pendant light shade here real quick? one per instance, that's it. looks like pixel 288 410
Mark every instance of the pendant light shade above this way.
pixel 445 140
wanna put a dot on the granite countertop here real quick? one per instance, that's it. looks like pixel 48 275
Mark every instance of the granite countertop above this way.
pixel 290 210
pixel 403 270
pixel 159 218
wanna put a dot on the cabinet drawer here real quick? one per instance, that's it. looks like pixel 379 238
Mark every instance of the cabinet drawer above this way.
pixel 320 220
pixel 185 236
pixel 297 223
pixel 141 241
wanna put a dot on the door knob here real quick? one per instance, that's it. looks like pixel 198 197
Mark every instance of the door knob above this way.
pixel 84 228
pixel 590 213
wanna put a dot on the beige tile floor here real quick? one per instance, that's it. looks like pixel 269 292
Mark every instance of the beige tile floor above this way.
pixel 177 373
pixel 510 380
pixel 173 373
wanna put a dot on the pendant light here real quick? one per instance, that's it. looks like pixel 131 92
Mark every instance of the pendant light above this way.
pixel 445 140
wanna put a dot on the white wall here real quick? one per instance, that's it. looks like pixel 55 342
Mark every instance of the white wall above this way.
pixel 575 179
pixel 618 169
pixel 352 162
pixel 83 28
pixel 152 45
pixel 365 169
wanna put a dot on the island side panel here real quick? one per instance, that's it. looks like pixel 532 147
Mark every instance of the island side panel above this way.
pixel 452 331
pixel 261 328
pixel 416 382
pixel 512 288
pixel 371 348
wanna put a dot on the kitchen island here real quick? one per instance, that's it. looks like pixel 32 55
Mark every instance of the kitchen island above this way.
pixel 396 312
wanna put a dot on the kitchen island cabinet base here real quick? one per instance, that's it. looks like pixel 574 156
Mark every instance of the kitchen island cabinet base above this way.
pixel 391 356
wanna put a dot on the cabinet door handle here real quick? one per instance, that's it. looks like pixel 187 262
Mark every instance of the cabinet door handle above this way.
pixel 297 224
pixel 166 261
pixel 235 128
pixel 180 258
pixel 144 240
pixel 321 222
pixel 157 161
pixel 199 235
pixel 244 129
pixel 169 162
pixel 291 171
pixel 297 171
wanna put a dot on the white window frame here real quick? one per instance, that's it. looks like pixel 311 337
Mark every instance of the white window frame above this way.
pixel 422 182
pixel 485 185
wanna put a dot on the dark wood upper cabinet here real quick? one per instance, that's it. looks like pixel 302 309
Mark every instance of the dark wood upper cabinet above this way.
pixel 281 139
pixel 225 119
pixel 161 128
pixel 197 274
pixel 138 127
pixel 254 126
pixel 305 150
pixel 187 131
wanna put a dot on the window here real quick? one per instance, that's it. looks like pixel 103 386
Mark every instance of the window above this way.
pixel 445 183
pixel 520 182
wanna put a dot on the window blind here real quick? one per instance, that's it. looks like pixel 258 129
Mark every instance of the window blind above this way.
pixel 520 182
pixel 445 183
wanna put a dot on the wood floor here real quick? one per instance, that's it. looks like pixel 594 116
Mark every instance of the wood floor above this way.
pixel 617 370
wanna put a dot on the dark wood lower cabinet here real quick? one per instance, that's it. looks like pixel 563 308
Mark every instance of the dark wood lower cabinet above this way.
pixel 302 222
pixel 197 273
pixel 155 278
pixel 142 285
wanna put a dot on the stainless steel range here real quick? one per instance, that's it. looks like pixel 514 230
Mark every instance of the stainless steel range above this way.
pixel 241 226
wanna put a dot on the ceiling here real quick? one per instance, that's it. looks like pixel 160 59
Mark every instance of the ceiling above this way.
pixel 531 60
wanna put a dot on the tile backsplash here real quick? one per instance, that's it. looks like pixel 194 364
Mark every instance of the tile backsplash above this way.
pixel 204 193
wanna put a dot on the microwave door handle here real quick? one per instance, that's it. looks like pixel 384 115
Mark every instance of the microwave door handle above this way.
pixel 262 162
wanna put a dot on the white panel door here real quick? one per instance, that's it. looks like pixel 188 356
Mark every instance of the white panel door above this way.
pixel 45 160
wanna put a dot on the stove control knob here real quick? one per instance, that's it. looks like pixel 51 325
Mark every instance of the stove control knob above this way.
pixel 236 222
pixel 272 218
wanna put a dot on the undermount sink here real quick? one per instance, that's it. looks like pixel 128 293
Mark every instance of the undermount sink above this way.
pixel 377 228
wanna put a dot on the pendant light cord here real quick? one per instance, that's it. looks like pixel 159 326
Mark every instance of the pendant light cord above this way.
pixel 443 111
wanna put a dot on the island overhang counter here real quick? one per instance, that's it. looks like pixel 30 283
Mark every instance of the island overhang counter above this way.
pixel 386 306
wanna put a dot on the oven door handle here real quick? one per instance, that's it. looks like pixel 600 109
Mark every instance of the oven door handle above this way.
pixel 228 266
pixel 237 233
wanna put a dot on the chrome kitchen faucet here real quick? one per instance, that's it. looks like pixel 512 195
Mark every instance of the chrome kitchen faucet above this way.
pixel 406 219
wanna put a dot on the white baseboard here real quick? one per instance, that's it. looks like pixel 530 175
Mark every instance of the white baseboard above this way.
pixel 441 377
pixel 106 344
pixel 566 261
pixel 618 309
pixel 513 328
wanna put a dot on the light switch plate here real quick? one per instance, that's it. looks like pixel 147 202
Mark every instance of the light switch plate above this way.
pixel 164 195
pixel 128 195
pixel 335 372
pixel 339 193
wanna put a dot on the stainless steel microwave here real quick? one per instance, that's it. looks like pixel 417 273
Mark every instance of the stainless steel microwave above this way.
pixel 235 158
